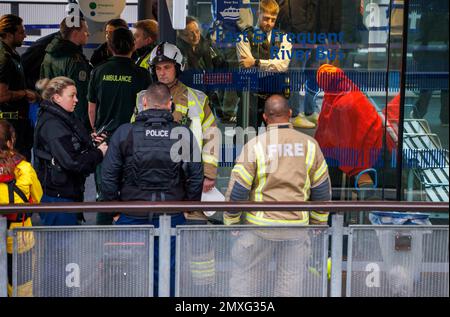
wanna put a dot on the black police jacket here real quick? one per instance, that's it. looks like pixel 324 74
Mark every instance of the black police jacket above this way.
pixel 145 162
pixel 64 153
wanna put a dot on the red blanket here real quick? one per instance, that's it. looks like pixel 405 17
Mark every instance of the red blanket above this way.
pixel 349 128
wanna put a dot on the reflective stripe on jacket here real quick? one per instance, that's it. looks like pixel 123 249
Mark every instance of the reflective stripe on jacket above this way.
pixel 280 165
pixel 144 62
pixel 194 104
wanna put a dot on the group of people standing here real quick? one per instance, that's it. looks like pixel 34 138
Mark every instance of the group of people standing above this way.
pixel 84 126
pixel 76 102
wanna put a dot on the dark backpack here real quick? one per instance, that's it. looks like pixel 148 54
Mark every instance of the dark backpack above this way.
pixel 33 58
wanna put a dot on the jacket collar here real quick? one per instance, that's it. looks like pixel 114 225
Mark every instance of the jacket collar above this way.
pixel 121 58
pixel 60 47
pixel 155 115
pixel 143 51
pixel 54 108
pixel 285 125
pixel 69 119
pixel 8 49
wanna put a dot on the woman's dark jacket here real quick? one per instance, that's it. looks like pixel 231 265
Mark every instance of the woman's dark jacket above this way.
pixel 64 153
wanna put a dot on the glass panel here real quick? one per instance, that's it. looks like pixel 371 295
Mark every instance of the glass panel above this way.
pixel 425 137
pixel 251 261
pixel 338 62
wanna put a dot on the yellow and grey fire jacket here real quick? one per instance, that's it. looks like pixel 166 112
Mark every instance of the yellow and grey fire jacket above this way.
pixel 279 165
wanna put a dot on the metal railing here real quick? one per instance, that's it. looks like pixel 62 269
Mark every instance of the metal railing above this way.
pixel 397 261
pixel 164 232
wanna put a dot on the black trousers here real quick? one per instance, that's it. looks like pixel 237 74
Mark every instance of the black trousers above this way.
pixel 424 102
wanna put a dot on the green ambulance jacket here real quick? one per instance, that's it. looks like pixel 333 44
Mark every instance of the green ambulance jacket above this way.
pixel 64 58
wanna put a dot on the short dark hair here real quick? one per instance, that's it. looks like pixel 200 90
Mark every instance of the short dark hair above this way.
pixel 121 41
pixel 66 31
pixel 9 23
pixel 117 23
pixel 157 95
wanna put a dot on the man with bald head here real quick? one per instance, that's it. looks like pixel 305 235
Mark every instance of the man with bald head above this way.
pixel 280 165
pixel 276 110
pixel 142 164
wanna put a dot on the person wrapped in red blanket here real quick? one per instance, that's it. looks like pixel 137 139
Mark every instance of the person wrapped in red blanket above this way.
pixel 350 131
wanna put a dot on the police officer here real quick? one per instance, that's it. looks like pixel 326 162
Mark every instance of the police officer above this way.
pixel 112 94
pixel 279 165
pixel 14 97
pixel 139 165
pixel 64 57
pixel 191 109
pixel 63 149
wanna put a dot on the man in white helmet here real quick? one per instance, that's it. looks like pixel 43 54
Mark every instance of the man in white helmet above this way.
pixel 191 107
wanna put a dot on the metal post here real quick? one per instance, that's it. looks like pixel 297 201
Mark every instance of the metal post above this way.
pixel 145 9
pixel 164 256
pixel 246 106
pixel 3 258
pixel 336 254
pixel 15 9
pixel 401 121
pixel 166 31
pixel 177 264
pixel 410 194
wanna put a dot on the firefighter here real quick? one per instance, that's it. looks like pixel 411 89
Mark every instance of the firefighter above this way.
pixel 279 165
pixel 18 184
pixel 191 109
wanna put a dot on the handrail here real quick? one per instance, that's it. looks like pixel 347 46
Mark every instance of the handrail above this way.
pixel 184 206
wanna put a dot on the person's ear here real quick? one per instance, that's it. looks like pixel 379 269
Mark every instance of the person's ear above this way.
pixel 169 105
pixel 149 40
pixel 290 113
pixel 144 103
pixel 56 98
pixel 265 117
pixel 10 144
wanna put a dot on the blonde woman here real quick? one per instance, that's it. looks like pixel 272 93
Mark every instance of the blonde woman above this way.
pixel 65 153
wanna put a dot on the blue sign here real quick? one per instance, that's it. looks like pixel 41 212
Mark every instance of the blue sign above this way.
pixel 226 13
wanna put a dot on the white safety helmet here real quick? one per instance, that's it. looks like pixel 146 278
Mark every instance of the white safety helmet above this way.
pixel 166 52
